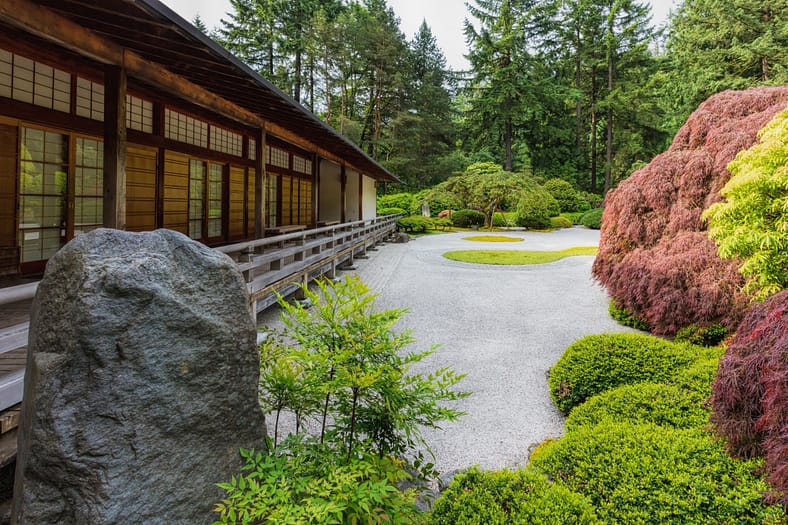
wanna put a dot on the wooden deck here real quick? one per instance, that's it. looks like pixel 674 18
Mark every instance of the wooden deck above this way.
pixel 273 264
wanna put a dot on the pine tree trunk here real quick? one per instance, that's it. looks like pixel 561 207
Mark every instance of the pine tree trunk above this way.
pixel 609 138
pixel 579 103
pixel 593 129
pixel 508 140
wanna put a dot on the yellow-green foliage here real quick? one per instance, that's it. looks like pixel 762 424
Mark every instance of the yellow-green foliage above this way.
pixel 493 238
pixel 511 257
pixel 752 224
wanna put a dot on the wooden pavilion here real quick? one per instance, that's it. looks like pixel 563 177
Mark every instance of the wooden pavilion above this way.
pixel 121 114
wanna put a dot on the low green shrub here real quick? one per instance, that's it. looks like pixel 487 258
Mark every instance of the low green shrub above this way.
pixel 505 497
pixel 312 483
pixel 535 208
pixel 560 222
pixel 702 336
pixel 592 218
pixel 699 376
pixel 625 317
pixel 592 200
pixel 566 195
pixel 655 403
pixel 597 363
pixel 415 223
pixel 390 211
pixel 441 222
pixel 572 216
pixel 467 218
pixel 650 474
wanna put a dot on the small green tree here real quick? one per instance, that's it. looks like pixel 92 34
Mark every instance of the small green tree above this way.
pixel 752 223
pixel 341 363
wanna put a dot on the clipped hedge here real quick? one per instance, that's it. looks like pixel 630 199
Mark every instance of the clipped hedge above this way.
pixel 467 218
pixel 656 403
pixel 592 218
pixel 535 208
pixel 560 222
pixel 415 223
pixel 650 474
pixel 505 497
pixel 597 363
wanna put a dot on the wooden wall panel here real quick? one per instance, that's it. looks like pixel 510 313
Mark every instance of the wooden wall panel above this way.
pixel 140 188
pixel 176 192
pixel 250 199
pixel 237 197
pixel 9 253
pixel 287 199
pixel 8 176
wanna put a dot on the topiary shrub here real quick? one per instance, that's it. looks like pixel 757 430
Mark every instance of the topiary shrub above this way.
pixel 749 405
pixel 656 403
pixel 655 256
pixel 390 211
pixel 592 218
pixel 625 317
pixel 505 497
pixel 573 217
pixel 699 376
pixel 650 474
pixel 702 336
pixel 535 208
pixel 559 222
pixel 566 195
pixel 597 363
pixel 415 223
pixel 467 218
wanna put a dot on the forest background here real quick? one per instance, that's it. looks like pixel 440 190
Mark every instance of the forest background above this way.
pixel 583 90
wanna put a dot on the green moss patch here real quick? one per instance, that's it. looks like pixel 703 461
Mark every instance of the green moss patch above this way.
pixel 492 238
pixel 514 257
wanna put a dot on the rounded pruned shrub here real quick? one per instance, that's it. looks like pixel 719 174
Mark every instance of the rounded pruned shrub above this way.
pixel 415 223
pixel 699 376
pixel 566 195
pixel 749 405
pixel 560 222
pixel 592 218
pixel 467 218
pixel 535 208
pixel 651 474
pixel 597 363
pixel 656 403
pixel 510 497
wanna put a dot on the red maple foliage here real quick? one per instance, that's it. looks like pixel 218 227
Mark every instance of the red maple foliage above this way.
pixel 654 256
pixel 749 393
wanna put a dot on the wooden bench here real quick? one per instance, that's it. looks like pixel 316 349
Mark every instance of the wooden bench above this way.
pixel 323 224
pixel 281 230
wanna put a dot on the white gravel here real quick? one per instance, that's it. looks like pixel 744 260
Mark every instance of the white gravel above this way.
pixel 504 326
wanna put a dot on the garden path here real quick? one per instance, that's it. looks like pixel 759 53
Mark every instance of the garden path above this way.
pixel 504 326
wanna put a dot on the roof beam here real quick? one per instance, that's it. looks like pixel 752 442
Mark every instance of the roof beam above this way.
pixel 53 27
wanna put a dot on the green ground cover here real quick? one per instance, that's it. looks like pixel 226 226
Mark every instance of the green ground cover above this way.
pixel 492 238
pixel 515 257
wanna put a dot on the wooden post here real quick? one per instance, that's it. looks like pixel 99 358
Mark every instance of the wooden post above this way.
pixel 360 196
pixel 115 147
pixel 343 193
pixel 315 183
pixel 260 180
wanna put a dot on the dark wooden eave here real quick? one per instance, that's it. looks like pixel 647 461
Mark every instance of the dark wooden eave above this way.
pixel 149 32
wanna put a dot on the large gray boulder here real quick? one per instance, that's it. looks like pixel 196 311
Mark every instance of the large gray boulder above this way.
pixel 141 383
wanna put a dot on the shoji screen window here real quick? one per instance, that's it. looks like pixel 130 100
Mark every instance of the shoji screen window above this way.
pixel 215 175
pixel 196 198
pixel 88 185
pixel 43 185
